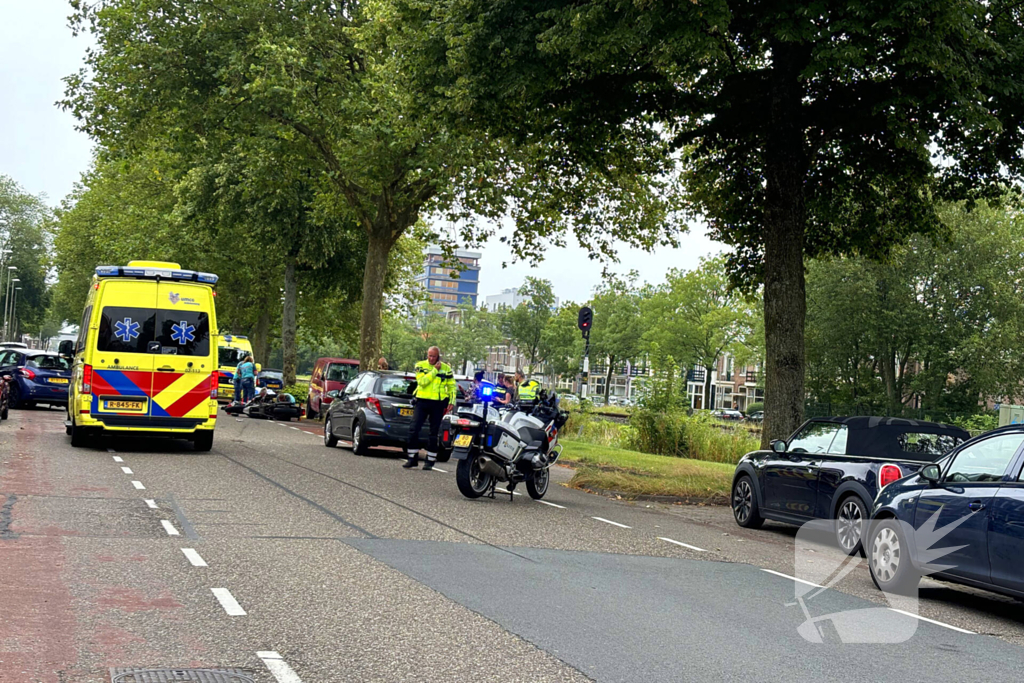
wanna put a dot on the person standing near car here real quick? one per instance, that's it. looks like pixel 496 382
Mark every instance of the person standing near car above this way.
pixel 435 391
pixel 247 373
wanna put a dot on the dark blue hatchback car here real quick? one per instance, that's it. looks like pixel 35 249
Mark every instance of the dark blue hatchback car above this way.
pixel 960 519
pixel 38 377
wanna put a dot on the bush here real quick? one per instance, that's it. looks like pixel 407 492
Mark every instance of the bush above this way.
pixel 981 422
pixel 583 426
pixel 754 407
pixel 699 437
pixel 299 391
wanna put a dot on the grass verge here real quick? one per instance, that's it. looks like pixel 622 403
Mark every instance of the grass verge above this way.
pixel 632 473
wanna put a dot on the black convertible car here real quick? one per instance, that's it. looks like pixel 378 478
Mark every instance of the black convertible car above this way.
pixel 832 468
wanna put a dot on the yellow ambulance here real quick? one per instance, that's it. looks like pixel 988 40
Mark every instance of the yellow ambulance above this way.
pixel 146 355
pixel 231 351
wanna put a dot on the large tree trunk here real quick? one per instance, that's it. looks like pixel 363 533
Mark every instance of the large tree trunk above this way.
pixel 608 380
pixel 288 322
pixel 785 302
pixel 374 275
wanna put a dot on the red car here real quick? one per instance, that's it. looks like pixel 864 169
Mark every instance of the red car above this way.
pixel 329 374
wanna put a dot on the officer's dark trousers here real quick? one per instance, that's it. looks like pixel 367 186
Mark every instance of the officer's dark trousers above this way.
pixel 426 409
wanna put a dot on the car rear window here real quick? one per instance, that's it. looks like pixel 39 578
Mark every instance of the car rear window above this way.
pixel 339 372
pixel 396 386
pixel 48 363
pixel 930 445
pixel 125 329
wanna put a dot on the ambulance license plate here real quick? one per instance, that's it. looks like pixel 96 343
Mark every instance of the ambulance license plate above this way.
pixel 124 405
pixel 463 440
pixel 57 380
pixel 405 412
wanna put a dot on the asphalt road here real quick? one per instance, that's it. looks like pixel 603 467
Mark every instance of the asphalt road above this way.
pixel 277 556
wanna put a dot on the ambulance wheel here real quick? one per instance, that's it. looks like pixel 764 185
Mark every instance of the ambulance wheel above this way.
pixel 79 437
pixel 202 440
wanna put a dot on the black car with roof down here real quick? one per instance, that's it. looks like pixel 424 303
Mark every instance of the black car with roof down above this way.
pixel 832 468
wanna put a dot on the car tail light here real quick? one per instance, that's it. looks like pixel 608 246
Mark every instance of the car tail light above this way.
pixel 26 373
pixel 87 379
pixel 214 384
pixel 373 403
pixel 888 474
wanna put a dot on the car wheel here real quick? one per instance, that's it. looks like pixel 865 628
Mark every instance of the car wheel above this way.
pixel 202 440
pixel 310 413
pixel 889 559
pixel 14 398
pixel 744 503
pixel 851 519
pixel 359 445
pixel 330 440
pixel 4 412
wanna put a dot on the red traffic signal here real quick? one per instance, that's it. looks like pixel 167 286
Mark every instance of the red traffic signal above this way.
pixel 586 319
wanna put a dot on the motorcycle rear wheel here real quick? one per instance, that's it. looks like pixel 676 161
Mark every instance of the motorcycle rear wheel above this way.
pixel 472 482
pixel 537 485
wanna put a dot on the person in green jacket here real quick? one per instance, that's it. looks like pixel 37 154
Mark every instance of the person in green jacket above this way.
pixel 435 391
pixel 527 388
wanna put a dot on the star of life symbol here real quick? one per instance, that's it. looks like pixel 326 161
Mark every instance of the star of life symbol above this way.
pixel 126 330
pixel 821 565
pixel 183 332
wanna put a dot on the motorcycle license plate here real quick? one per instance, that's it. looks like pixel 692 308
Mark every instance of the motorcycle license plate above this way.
pixel 463 440
pixel 405 412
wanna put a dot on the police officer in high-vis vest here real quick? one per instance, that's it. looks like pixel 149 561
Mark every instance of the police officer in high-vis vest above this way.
pixel 435 391
pixel 526 391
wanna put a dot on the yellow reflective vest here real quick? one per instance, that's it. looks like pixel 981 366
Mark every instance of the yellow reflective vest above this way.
pixel 528 390
pixel 434 384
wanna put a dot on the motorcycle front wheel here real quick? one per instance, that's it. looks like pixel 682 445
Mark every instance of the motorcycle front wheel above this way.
pixel 537 485
pixel 472 482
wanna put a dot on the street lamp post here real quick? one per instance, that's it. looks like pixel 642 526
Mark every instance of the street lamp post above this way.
pixel 7 295
pixel 14 311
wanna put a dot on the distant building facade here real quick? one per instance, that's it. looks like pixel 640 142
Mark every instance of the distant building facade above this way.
pixel 447 286
pixel 733 386
pixel 508 298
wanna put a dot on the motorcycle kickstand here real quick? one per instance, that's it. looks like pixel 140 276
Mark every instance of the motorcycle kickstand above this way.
pixel 494 484
pixel 511 495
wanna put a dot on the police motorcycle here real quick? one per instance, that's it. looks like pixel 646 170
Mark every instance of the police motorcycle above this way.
pixel 510 446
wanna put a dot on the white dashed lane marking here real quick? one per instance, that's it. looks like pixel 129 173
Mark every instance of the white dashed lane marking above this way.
pixel 228 602
pixel 138 485
pixel 932 621
pixel 194 557
pixel 554 505
pixel 791 578
pixel 438 469
pixel 169 528
pixel 151 503
pixel 608 521
pixel 127 470
pixel 685 545
pixel 277 666
pixel 118 458
pixel 111 450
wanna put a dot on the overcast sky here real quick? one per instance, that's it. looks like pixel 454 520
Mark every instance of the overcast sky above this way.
pixel 41 150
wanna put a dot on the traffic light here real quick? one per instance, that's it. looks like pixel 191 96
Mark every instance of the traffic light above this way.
pixel 586 319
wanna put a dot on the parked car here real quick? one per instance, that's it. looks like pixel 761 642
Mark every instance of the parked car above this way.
pixel 13 345
pixel 37 377
pixel 730 415
pixel 756 417
pixel 271 379
pixel 375 409
pixel 329 374
pixel 5 392
pixel 969 504
pixel 273 406
pixel 832 468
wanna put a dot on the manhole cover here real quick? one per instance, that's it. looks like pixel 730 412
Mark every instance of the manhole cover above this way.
pixel 176 675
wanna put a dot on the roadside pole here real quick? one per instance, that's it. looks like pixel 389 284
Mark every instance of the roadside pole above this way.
pixel 584 322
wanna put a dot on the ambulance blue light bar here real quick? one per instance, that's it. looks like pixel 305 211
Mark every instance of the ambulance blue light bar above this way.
pixel 154 273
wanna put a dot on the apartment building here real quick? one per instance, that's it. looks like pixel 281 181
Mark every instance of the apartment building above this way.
pixel 732 386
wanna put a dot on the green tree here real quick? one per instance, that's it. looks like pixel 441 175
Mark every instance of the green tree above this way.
pixel 561 343
pixel 467 334
pixel 804 129
pixel 24 244
pixel 616 333
pixel 524 324
pixel 696 316
pixel 326 77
